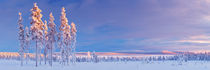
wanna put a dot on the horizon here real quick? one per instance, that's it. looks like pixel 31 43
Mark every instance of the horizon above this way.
pixel 137 53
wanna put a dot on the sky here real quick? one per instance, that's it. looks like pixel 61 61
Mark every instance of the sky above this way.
pixel 118 25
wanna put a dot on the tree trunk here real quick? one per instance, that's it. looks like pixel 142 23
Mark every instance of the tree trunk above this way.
pixel 51 56
pixel 21 58
pixel 27 56
pixel 36 54
pixel 40 56
pixel 45 56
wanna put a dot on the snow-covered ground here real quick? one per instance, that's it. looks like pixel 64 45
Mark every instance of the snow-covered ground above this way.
pixel 157 65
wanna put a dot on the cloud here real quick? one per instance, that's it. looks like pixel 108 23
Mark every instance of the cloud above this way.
pixel 195 41
pixel 200 37
pixel 168 52
pixel 205 39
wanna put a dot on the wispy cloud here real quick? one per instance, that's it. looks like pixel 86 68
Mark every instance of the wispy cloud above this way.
pixel 194 41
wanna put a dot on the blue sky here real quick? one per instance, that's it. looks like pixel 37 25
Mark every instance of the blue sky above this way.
pixel 118 25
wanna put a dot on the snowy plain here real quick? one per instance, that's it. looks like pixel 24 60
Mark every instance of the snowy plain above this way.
pixel 137 65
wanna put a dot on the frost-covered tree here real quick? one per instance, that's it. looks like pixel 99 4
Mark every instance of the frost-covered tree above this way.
pixel 60 46
pixel 73 35
pixel 65 36
pixel 88 56
pixel 67 42
pixel 27 43
pixel 37 31
pixel 21 38
pixel 94 57
pixel 51 37
pixel 63 19
pixel 46 42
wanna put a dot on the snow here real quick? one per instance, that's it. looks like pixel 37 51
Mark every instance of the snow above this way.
pixel 138 65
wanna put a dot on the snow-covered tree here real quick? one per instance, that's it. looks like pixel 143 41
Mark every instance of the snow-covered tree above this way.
pixel 51 37
pixel 66 37
pixel 60 46
pixel 73 35
pixel 21 38
pixel 63 19
pixel 94 57
pixel 46 41
pixel 88 56
pixel 27 43
pixel 37 31
pixel 67 42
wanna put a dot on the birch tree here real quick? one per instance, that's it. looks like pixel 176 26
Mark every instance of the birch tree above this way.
pixel 21 38
pixel 37 31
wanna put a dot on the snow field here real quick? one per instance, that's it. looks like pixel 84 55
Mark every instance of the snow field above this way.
pixel 138 65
